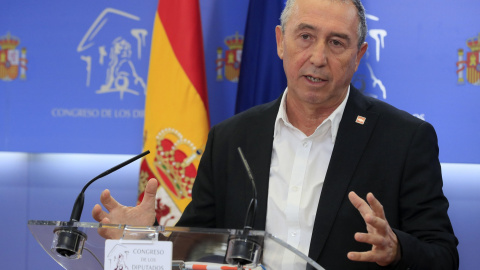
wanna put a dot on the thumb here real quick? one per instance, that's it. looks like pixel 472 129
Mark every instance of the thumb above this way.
pixel 150 194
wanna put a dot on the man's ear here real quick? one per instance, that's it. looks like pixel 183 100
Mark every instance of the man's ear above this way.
pixel 360 54
pixel 279 37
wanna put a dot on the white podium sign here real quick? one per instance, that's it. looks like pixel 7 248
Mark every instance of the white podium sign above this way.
pixel 138 255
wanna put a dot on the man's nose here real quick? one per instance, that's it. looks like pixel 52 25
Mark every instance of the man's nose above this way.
pixel 318 55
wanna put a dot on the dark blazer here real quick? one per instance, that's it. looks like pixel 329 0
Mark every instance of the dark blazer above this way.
pixel 393 155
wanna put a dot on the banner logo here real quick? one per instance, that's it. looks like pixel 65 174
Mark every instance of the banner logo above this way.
pixel 233 57
pixel 470 64
pixel 112 50
pixel 12 60
pixel 366 80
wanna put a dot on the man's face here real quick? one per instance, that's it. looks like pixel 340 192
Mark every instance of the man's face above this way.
pixel 319 51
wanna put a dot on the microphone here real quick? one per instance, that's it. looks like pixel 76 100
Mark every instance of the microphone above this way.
pixel 68 241
pixel 245 249
pixel 252 208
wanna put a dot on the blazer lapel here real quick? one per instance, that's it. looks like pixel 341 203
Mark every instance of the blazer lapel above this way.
pixel 258 152
pixel 346 154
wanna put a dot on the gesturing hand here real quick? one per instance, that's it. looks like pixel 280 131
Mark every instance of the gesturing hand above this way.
pixel 140 215
pixel 385 247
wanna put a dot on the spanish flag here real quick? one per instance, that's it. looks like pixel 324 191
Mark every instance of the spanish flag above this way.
pixel 176 107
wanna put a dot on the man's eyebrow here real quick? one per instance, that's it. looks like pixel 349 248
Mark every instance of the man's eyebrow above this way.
pixel 340 35
pixel 303 26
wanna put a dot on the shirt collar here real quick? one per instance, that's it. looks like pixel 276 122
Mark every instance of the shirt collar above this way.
pixel 333 118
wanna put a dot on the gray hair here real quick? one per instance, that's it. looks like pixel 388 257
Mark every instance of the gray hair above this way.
pixel 362 25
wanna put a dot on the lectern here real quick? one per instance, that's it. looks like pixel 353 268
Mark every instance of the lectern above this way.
pixel 193 248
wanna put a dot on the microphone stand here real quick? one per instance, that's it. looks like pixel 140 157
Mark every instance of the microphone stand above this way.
pixel 245 249
pixel 68 241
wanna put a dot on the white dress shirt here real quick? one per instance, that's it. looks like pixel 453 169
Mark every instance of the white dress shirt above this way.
pixel 297 172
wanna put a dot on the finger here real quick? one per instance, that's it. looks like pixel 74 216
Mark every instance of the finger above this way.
pixel 109 232
pixel 150 194
pixel 105 232
pixel 379 224
pixel 359 203
pixel 108 201
pixel 105 220
pixel 368 256
pixel 376 206
pixel 97 213
pixel 372 239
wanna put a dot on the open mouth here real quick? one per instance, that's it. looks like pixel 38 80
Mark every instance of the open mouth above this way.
pixel 313 79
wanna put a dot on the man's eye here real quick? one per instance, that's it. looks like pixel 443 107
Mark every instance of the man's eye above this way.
pixel 336 43
pixel 305 36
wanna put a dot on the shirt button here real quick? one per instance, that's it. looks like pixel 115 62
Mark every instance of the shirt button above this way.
pixel 293 234
pixel 295 189
pixel 305 144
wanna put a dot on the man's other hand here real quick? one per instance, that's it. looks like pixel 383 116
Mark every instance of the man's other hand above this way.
pixel 385 246
pixel 140 215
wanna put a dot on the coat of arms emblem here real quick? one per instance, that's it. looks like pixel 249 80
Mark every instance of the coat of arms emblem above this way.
pixel 469 66
pixel 175 167
pixel 232 60
pixel 13 62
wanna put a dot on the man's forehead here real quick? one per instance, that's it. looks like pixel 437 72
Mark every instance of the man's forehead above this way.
pixel 307 16
pixel 324 6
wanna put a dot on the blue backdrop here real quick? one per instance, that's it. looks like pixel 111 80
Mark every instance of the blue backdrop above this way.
pixel 86 66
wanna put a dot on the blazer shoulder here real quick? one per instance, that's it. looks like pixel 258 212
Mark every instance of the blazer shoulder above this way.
pixel 389 112
pixel 259 115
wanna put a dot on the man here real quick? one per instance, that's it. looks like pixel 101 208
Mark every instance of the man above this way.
pixel 314 149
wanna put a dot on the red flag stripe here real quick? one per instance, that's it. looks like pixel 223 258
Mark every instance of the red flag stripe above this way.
pixel 182 23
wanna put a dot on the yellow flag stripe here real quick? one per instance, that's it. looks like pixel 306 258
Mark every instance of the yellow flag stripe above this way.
pixel 172 102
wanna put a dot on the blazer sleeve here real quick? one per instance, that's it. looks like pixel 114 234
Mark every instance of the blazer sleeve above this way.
pixel 426 236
